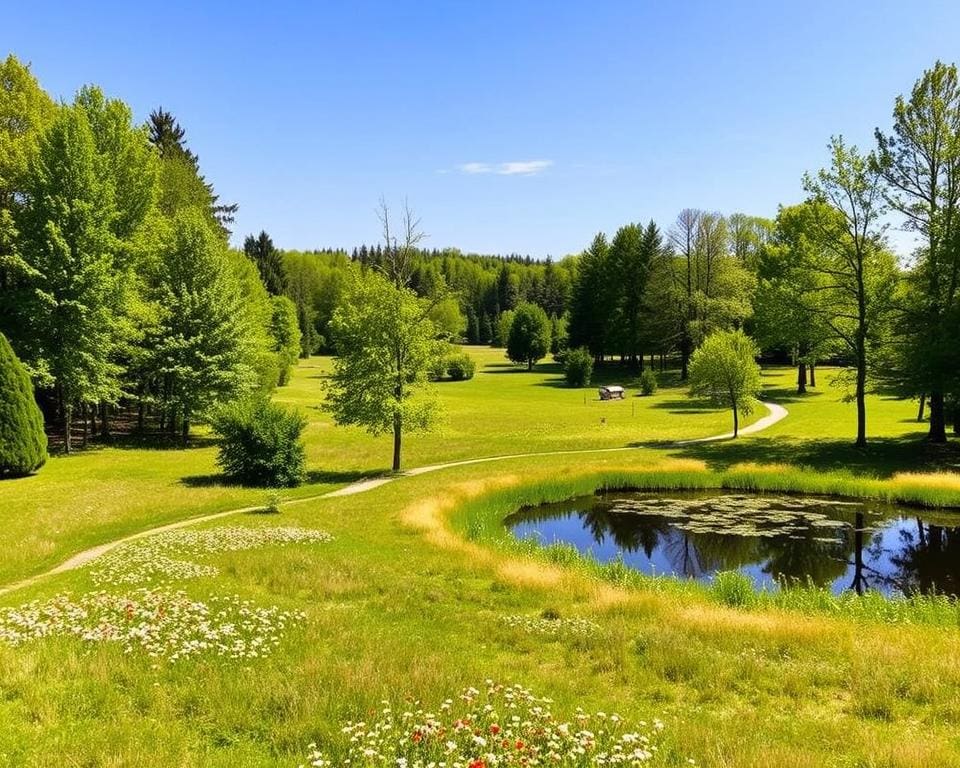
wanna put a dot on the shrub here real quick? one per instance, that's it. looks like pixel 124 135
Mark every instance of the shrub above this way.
pixel 437 368
pixel 461 367
pixel 648 382
pixel 261 443
pixel 23 444
pixel 578 367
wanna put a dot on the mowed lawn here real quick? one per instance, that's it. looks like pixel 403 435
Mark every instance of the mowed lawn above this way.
pixel 97 495
pixel 399 606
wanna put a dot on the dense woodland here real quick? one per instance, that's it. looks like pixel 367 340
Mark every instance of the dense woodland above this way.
pixel 121 295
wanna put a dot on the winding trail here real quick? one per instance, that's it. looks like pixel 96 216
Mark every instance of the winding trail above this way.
pixel 776 413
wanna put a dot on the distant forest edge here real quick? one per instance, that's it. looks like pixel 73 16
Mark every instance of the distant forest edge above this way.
pixel 122 299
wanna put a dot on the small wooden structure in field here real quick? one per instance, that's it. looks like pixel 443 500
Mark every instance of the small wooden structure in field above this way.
pixel 613 392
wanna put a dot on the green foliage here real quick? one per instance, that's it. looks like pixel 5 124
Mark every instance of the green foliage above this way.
pixel 23 444
pixel 578 367
pixel 724 369
pixel 261 443
pixel 502 328
pixel 920 161
pixel 460 366
pixel 286 336
pixel 529 338
pixel 387 346
pixel 260 251
pixel 448 320
pixel 203 348
pixel 69 312
pixel 590 310
pixel 733 588
pixel 648 382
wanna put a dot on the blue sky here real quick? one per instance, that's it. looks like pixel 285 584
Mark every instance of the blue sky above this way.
pixel 510 126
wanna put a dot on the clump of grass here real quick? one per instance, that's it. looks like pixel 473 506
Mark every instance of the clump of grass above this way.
pixel 734 589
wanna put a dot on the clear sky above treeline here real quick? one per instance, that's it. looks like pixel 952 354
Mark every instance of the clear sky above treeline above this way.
pixel 510 126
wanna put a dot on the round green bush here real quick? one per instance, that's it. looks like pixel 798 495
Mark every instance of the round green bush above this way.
pixel 261 443
pixel 648 382
pixel 578 367
pixel 23 443
pixel 460 367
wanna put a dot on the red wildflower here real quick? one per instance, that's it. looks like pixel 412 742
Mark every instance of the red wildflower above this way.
pixel 417 737
pixel 494 729
pixel 520 744
pixel 478 763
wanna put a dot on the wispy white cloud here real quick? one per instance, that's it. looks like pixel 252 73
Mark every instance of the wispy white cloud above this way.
pixel 476 168
pixel 523 167
pixel 515 168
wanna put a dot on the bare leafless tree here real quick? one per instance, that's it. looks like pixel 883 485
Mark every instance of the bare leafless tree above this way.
pixel 400 251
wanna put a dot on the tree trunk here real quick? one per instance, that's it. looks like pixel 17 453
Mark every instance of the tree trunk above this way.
pixel 923 402
pixel 85 420
pixel 801 378
pixel 955 416
pixel 529 365
pixel 736 419
pixel 938 419
pixel 67 425
pixel 397 435
pixel 813 375
pixel 104 423
pixel 861 389
pixel 184 430
pixel 684 358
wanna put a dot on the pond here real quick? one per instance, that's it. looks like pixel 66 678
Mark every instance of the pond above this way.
pixel 774 540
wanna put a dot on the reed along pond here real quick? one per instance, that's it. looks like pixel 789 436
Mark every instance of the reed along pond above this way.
pixel 774 540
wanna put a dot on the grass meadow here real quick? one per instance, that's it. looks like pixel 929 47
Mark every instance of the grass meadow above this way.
pixel 413 597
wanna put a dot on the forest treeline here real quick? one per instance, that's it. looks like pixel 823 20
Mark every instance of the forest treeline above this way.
pixel 119 286
pixel 116 277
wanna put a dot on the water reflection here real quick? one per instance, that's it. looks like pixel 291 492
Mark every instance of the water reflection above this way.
pixel 775 541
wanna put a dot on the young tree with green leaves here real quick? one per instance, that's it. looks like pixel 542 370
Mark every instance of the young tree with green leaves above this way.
pixel 386 345
pixel 203 348
pixel 529 339
pixel 23 443
pixel 920 162
pixel 858 274
pixel 724 369
pixel 285 331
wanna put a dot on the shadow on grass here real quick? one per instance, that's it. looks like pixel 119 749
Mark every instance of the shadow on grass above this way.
pixel 681 407
pixel 150 441
pixel 882 457
pixel 220 480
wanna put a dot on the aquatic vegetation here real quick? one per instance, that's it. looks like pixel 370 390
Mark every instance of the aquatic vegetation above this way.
pixel 159 558
pixel 495 725
pixel 739 514
pixel 552 625
pixel 165 624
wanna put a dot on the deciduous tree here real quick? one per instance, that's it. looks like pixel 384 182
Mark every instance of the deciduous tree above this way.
pixel 387 345
pixel 724 369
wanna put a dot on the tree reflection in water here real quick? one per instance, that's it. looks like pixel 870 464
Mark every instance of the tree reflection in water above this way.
pixel 784 541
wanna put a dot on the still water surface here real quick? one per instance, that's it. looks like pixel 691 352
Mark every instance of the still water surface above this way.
pixel 775 540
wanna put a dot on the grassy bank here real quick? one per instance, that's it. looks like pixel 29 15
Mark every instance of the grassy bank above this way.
pixel 481 520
